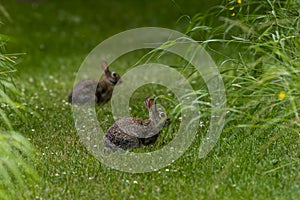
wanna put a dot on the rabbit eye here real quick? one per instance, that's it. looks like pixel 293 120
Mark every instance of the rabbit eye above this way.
pixel 161 115
pixel 114 74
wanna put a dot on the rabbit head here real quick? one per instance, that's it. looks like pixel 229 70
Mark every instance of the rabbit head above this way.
pixel 158 118
pixel 110 76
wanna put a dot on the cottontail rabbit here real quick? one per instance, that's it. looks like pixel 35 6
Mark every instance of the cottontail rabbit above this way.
pixel 94 91
pixel 129 132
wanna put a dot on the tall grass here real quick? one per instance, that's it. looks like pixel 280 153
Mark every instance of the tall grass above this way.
pixel 16 174
pixel 261 68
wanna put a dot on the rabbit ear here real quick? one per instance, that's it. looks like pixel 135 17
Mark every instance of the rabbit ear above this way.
pixel 149 102
pixel 104 65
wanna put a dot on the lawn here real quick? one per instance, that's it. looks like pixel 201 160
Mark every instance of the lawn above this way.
pixel 256 157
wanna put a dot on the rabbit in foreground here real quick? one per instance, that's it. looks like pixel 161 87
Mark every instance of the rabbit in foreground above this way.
pixel 129 132
pixel 95 91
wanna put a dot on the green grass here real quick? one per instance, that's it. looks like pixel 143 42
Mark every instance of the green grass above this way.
pixel 253 159
pixel 16 173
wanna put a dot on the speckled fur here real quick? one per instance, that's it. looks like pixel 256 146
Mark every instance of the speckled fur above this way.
pixel 129 132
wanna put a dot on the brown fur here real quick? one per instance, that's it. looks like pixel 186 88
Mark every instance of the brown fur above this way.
pixel 93 91
pixel 129 132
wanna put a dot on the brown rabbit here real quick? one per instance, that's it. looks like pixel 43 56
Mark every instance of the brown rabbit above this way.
pixel 129 132
pixel 93 91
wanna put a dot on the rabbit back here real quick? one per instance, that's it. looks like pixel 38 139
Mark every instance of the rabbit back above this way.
pixel 128 133
pixel 83 92
pixel 115 138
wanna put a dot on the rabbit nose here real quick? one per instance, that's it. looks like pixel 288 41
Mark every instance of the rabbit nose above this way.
pixel 119 81
pixel 168 121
